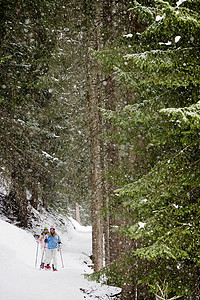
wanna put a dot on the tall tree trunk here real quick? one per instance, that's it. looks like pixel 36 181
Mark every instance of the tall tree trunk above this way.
pixel 17 195
pixel 95 146
pixel 96 174
pixel 113 159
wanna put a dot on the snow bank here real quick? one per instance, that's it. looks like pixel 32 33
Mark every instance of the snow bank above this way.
pixel 20 280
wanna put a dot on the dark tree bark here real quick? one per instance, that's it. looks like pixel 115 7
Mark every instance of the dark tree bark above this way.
pixel 95 144
pixel 17 195
pixel 96 174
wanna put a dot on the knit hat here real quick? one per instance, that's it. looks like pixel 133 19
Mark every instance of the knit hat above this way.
pixel 45 228
pixel 52 227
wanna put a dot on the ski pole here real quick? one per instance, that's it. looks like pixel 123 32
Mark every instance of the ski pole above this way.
pixel 43 255
pixel 36 255
pixel 61 258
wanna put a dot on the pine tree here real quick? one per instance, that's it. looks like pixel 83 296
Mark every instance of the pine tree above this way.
pixel 161 65
pixel 43 108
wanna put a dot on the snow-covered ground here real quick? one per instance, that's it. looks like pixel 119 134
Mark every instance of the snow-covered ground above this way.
pixel 21 280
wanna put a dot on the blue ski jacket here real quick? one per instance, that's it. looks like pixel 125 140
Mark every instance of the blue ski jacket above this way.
pixel 52 241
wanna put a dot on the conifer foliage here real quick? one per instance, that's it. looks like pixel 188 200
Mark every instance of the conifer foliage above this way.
pixel 38 131
pixel 100 104
pixel 161 65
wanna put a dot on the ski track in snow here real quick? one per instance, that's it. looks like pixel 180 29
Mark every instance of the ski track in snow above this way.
pixel 20 280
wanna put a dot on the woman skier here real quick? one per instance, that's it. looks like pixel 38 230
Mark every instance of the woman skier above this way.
pixel 43 246
pixel 52 240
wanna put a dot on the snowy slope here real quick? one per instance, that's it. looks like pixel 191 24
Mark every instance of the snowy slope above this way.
pixel 20 280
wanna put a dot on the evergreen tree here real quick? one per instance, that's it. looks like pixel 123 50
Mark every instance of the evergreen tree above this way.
pixel 43 114
pixel 161 66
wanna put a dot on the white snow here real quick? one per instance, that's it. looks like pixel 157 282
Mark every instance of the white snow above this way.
pixel 167 44
pixel 177 38
pixel 129 35
pixel 178 3
pixel 143 200
pixel 141 224
pixel 159 18
pixel 49 156
pixel 21 280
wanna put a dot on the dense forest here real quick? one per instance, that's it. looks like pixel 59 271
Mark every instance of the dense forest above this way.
pixel 100 108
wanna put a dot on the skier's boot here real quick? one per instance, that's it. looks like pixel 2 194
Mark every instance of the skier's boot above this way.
pixel 42 266
pixel 54 269
pixel 47 267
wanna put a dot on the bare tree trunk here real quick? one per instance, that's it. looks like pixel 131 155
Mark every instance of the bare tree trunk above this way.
pixel 96 194
pixel 113 159
pixel 95 148
pixel 105 198
pixel 106 229
pixel 44 199
pixel 17 195
pixel 112 238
